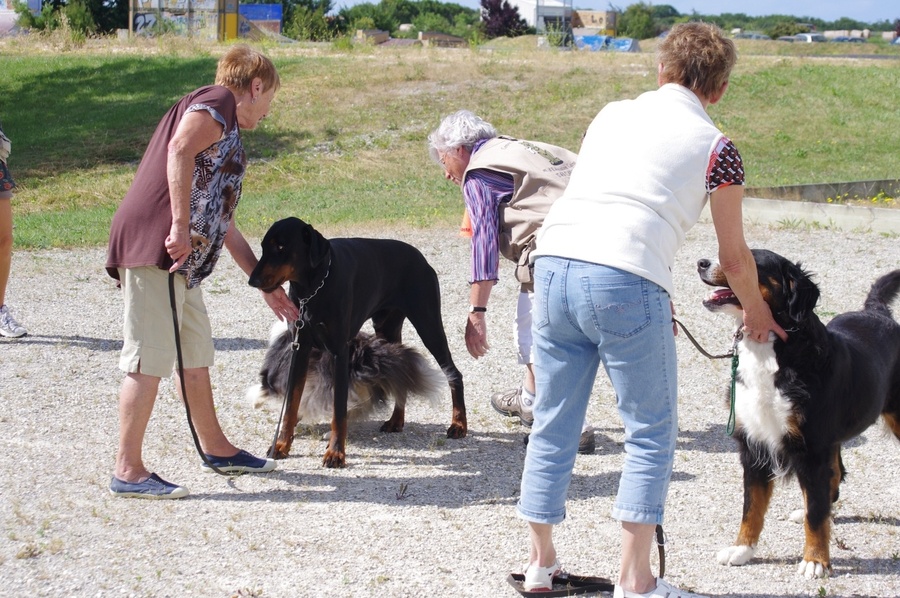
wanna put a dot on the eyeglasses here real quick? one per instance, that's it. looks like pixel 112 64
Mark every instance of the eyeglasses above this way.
pixel 442 156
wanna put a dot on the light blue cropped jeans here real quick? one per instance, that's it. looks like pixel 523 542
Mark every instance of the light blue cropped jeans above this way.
pixel 586 314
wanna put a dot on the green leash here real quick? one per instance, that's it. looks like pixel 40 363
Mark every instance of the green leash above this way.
pixel 738 335
pixel 729 429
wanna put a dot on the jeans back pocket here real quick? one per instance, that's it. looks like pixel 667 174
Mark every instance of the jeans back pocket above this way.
pixel 619 308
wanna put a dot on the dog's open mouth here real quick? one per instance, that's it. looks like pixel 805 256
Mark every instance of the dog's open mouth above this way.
pixel 720 298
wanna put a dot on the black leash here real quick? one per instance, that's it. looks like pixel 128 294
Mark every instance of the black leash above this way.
pixel 187 409
pixel 295 349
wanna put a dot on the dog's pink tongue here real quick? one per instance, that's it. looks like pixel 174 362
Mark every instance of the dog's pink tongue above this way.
pixel 720 294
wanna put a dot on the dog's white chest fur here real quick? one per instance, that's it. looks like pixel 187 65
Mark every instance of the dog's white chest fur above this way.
pixel 760 408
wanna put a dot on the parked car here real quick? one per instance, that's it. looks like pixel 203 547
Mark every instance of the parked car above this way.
pixel 896 41
pixel 787 38
pixel 848 39
pixel 751 35
pixel 810 38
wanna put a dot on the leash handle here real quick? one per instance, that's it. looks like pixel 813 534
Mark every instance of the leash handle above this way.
pixel 187 408
pixel 661 546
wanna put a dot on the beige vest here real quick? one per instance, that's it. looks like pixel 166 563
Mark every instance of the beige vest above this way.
pixel 540 174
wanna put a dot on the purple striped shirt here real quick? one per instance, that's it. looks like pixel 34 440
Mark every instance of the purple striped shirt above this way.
pixel 483 191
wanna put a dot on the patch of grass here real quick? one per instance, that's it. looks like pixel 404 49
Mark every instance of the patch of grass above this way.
pixel 345 141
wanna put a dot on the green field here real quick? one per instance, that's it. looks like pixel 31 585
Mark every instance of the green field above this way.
pixel 345 142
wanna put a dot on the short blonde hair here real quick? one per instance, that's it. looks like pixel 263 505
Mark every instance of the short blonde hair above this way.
pixel 241 64
pixel 697 56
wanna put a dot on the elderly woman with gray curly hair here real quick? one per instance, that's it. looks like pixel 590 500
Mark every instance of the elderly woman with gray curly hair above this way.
pixel 508 185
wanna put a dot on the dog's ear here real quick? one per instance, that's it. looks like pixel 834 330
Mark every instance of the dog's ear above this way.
pixel 801 292
pixel 318 246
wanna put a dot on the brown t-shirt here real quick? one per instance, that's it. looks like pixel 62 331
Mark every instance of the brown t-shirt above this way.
pixel 144 218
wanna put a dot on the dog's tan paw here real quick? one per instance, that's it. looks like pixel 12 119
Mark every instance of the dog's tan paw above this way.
pixel 456 431
pixel 334 459
pixel 279 450
pixel 812 569
pixel 736 555
pixel 391 426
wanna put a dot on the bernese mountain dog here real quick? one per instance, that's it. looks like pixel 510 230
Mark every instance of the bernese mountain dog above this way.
pixel 797 401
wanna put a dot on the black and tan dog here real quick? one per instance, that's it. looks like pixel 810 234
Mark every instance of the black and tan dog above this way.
pixel 339 284
pixel 797 401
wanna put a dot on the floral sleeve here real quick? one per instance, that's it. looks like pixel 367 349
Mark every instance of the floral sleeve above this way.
pixel 725 166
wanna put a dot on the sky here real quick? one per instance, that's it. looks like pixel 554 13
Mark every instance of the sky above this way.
pixel 867 11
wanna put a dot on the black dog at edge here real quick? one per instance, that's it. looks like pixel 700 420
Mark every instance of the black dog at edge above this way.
pixel 797 401
pixel 339 284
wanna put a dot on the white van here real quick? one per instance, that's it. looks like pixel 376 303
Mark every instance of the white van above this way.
pixel 810 37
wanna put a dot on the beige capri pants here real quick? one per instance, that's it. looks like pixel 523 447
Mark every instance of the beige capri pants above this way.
pixel 149 335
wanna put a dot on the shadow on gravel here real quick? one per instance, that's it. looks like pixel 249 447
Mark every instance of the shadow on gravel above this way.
pixel 454 473
pixel 85 342
pixel 240 344
pixel 105 344
pixel 878 519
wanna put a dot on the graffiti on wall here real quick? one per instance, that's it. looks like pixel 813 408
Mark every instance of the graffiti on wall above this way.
pixel 199 24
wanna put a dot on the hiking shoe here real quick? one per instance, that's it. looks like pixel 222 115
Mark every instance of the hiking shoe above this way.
pixel 243 462
pixel 8 325
pixel 663 589
pixel 540 579
pixel 587 444
pixel 153 487
pixel 511 404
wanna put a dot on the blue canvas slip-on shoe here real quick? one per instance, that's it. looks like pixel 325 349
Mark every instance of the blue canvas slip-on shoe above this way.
pixel 153 487
pixel 243 462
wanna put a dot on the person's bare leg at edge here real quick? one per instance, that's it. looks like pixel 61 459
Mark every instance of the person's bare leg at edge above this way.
pixel 136 399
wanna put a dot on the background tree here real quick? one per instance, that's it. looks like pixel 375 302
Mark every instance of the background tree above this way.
pixel 501 19
pixel 783 28
pixel 637 22
pixel 289 7
pixel 424 15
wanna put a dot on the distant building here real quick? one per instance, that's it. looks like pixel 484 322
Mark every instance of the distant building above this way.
pixel 600 22
pixel 541 14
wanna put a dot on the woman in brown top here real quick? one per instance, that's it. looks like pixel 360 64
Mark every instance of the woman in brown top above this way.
pixel 175 218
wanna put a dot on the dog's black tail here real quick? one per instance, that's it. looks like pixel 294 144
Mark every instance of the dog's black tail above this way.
pixel 883 292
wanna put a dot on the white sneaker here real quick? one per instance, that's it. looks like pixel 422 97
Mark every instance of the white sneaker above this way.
pixel 8 325
pixel 663 589
pixel 540 579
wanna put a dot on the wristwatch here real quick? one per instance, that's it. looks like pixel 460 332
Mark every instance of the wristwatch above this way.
pixel 473 309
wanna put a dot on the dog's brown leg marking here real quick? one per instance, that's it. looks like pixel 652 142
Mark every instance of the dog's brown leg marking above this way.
pixel 282 446
pixel 336 455
pixel 398 417
pixel 756 503
pixel 816 549
pixel 835 482
pixel 893 423
pixel 458 424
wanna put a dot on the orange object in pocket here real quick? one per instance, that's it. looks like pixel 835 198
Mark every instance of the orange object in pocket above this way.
pixel 465 228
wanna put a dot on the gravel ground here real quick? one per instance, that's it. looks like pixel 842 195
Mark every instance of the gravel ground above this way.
pixel 413 514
